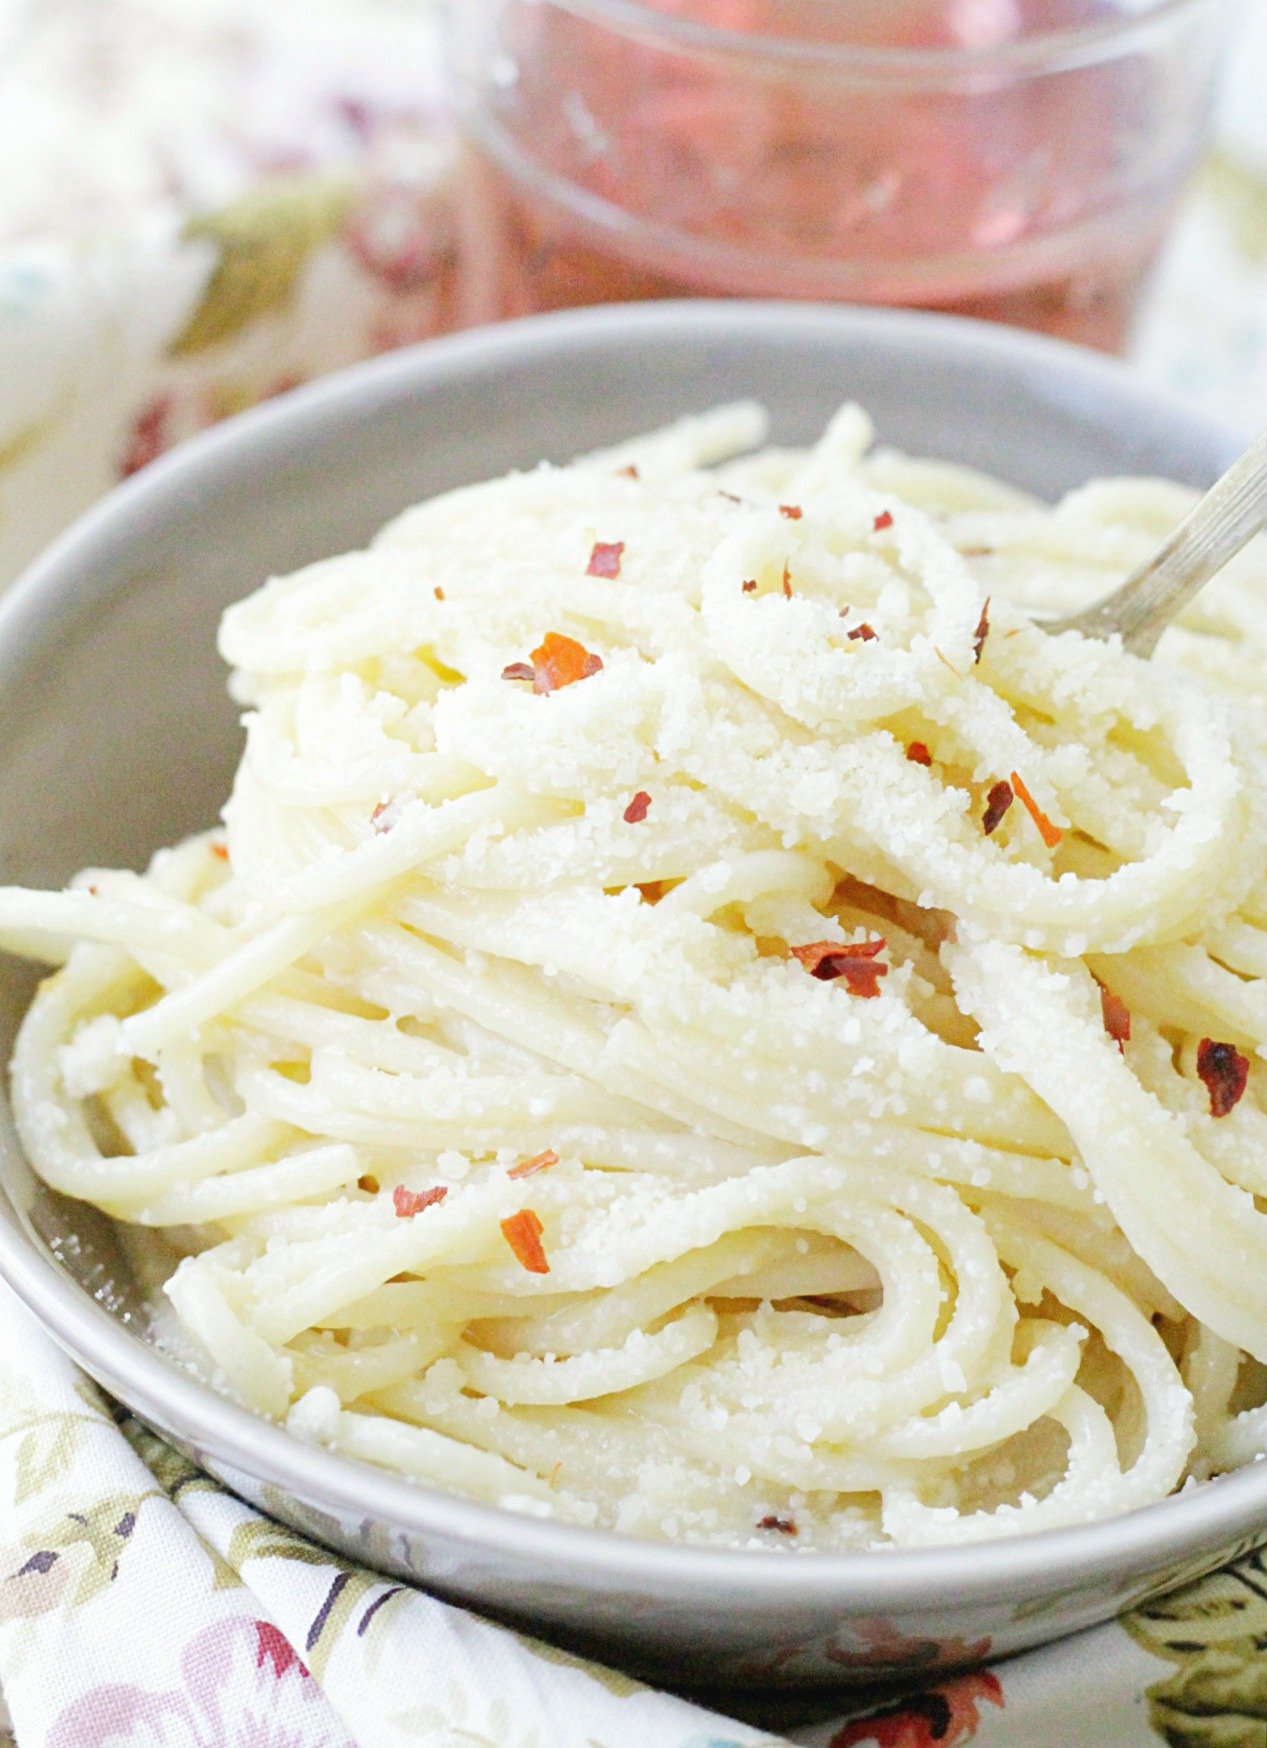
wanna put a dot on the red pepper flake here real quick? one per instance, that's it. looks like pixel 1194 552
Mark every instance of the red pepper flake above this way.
pixel 438 592
pixel 1050 834
pixel 864 632
pixel 384 816
pixel 541 1162
pixel 784 1525
pixel 522 1232
pixel 630 472
pixel 636 812
pixel 750 587
pixel 882 521
pixel 220 852
pixel 856 963
pixel 787 581
pixel 560 661
pixel 605 559
pixel 997 803
pixel 793 512
pixel 369 1183
pixel 918 753
pixel 407 1203
pixel 1117 1018
pixel 982 632
pixel 94 892
pixel 1225 1073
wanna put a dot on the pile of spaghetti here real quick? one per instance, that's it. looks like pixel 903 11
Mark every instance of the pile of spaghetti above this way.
pixel 703 1018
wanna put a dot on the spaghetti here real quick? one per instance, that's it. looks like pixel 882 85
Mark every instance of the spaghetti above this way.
pixel 703 1018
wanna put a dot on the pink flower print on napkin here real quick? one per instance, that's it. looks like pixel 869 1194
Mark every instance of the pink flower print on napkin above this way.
pixel 242 1686
pixel 940 1717
pixel 150 435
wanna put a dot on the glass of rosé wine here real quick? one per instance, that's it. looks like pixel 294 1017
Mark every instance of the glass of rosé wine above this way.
pixel 1018 160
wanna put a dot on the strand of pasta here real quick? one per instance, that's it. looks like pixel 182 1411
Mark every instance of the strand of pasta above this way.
pixel 811 1270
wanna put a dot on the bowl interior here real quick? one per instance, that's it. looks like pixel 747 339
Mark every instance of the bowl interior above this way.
pixel 118 736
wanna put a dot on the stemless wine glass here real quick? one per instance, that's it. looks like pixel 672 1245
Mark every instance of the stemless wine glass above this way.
pixel 1013 159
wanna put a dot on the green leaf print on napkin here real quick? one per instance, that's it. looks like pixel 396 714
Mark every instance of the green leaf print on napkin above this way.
pixel 1215 1632
pixel 47 1441
pixel 259 1538
pixel 174 1472
pixel 45 1452
pixel 1241 191
pixel 104 1530
pixel 263 241
pixel 23 443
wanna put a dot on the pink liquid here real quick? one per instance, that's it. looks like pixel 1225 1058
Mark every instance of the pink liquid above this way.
pixel 606 168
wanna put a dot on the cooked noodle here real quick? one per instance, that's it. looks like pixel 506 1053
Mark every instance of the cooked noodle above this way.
pixel 801 1186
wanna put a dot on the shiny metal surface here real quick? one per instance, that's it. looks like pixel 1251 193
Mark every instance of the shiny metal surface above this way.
pixel 1226 519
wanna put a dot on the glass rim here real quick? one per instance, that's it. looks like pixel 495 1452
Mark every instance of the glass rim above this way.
pixel 1045 51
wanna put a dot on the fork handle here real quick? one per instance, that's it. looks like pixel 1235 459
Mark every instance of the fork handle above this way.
pixel 1214 531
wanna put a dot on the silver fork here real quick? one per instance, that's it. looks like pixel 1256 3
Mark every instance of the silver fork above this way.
pixel 1213 531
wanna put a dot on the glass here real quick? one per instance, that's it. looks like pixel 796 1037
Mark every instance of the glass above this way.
pixel 1013 159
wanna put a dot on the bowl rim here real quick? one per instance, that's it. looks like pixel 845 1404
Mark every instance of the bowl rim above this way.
pixel 1042 52
pixel 1202 1521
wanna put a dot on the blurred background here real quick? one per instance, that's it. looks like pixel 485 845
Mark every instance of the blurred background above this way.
pixel 207 202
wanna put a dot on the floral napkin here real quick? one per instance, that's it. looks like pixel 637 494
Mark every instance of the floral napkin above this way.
pixel 142 1606
pixel 203 203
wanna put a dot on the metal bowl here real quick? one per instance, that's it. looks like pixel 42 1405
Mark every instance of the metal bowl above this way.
pixel 118 737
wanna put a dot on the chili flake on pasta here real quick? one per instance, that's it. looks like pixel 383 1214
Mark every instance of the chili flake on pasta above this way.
pixel 897 1155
